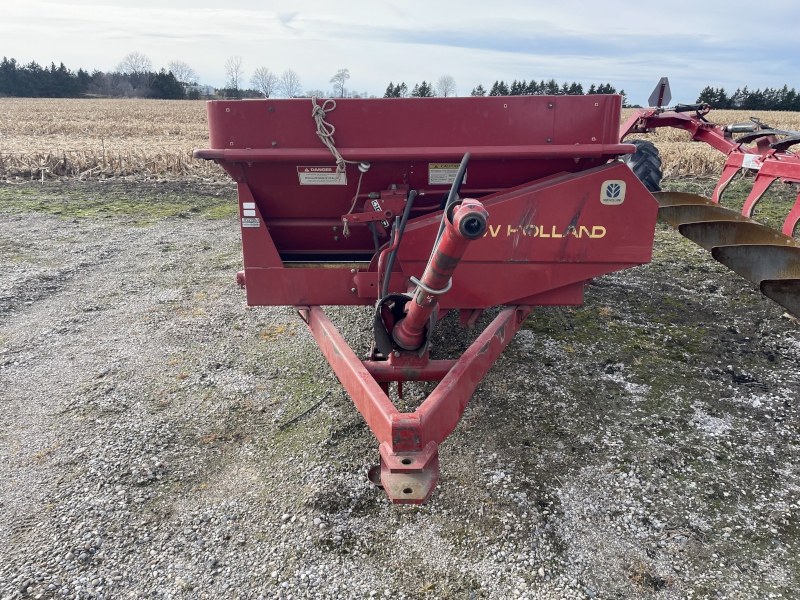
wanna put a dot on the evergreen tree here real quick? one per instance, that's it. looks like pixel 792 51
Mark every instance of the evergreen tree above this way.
pixel 502 89
pixel 576 89
pixel 716 98
pixel 422 90
pixel 478 91
pixel 592 89
pixel 390 93
pixel 551 88
pixel 708 95
pixel 754 100
pixel 166 86
pixel 533 88
pixel 790 100
pixel 84 79
pixel 495 91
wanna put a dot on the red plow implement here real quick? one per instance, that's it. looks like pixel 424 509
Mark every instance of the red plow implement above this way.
pixel 419 207
pixel 767 258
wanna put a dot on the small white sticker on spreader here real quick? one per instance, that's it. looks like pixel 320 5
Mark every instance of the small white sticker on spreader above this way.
pixel 443 173
pixel 250 222
pixel 612 192
pixel 321 176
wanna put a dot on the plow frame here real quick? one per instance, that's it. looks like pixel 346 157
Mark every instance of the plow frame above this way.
pixel 769 163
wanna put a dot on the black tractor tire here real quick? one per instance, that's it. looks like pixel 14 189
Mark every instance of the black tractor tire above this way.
pixel 645 164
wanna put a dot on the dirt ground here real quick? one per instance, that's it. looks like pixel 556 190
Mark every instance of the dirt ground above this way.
pixel 644 445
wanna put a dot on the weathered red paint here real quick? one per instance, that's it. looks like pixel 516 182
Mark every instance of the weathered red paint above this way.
pixel 540 167
pixel 409 333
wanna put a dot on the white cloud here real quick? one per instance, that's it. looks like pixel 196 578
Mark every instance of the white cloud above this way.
pixel 624 42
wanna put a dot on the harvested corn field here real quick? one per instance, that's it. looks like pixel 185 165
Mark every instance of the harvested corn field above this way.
pixel 92 138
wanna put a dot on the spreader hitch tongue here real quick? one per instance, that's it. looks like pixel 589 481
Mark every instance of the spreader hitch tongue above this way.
pixel 468 223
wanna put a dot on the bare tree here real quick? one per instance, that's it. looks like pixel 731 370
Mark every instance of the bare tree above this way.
pixel 446 86
pixel 234 71
pixel 185 74
pixel 338 81
pixel 264 81
pixel 289 84
pixel 135 63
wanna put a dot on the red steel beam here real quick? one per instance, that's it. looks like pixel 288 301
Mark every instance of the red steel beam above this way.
pixel 442 410
pixel 416 154
pixel 383 372
pixel 376 408
pixel 409 441
pixel 439 414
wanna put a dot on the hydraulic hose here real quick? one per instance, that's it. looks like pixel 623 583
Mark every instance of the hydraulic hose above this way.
pixel 452 197
pixel 398 238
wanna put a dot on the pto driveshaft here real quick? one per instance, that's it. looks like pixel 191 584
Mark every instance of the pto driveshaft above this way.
pixel 468 223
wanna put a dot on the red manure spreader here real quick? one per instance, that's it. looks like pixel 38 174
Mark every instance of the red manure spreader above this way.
pixel 419 207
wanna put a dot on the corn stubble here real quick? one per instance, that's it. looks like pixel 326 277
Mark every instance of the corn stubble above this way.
pixel 102 138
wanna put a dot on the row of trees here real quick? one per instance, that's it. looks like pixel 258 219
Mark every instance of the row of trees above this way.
pixel 545 88
pixel 766 99
pixel 446 86
pixel 134 77
pixel 287 84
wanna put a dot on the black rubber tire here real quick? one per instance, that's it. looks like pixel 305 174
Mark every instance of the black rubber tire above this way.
pixel 645 164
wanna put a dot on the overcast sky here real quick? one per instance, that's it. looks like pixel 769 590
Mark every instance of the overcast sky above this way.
pixel 631 44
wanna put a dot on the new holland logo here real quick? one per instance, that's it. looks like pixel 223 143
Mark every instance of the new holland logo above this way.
pixel 612 192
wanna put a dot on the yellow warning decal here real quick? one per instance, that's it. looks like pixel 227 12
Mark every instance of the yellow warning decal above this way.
pixel 443 173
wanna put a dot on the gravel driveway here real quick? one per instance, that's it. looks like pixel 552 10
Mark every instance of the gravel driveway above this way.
pixel 645 445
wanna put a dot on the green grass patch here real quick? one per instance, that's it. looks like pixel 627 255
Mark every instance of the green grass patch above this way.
pixel 74 202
